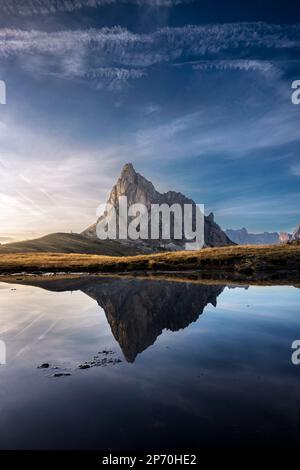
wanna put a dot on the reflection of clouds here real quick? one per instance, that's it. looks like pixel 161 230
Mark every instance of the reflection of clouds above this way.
pixel 238 358
pixel 33 322
pixel 47 331
pixel 28 347
pixel 227 376
pixel 40 326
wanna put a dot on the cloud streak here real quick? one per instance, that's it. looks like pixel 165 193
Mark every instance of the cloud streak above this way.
pixel 162 45
pixel 113 78
pixel 113 56
pixel 46 7
pixel 263 66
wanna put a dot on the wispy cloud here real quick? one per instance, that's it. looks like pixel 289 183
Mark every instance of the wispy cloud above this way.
pixel 206 133
pixel 116 55
pixel 258 207
pixel 164 44
pixel 58 191
pixel 263 66
pixel 295 169
pixel 5 239
pixel 113 78
pixel 46 7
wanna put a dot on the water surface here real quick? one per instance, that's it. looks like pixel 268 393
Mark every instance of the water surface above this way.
pixel 172 364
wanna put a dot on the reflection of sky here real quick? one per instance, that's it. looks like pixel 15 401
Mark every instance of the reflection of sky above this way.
pixel 39 326
pixel 226 378
pixel 209 104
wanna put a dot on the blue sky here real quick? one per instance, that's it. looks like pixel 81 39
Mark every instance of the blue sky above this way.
pixel 196 94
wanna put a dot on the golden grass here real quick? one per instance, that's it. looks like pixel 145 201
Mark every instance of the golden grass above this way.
pixel 241 258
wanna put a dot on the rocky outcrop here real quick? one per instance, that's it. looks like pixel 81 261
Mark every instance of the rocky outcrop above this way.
pixel 139 190
pixel 284 237
pixel 296 233
pixel 243 237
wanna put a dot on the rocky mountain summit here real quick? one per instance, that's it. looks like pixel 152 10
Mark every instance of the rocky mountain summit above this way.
pixel 296 233
pixel 285 237
pixel 139 190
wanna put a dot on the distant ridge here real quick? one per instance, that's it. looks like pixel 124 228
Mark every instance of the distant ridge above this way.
pixel 243 237
pixel 69 243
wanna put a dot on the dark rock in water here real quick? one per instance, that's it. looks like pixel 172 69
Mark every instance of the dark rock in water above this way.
pixel 61 374
pixel 44 366
pixel 101 361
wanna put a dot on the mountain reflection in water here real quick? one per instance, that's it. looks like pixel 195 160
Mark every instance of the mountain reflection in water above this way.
pixel 194 376
pixel 138 310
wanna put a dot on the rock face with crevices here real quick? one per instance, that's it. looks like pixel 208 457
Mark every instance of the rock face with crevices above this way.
pixel 296 233
pixel 138 189
pixel 284 237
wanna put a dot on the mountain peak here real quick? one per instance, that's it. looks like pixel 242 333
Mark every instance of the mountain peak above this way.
pixel 138 189
pixel 128 168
